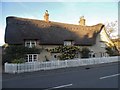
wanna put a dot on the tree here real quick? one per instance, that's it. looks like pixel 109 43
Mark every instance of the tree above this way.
pixel 111 28
pixel 112 51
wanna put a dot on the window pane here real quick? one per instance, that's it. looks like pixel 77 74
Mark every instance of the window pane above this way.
pixel 30 44
pixel 26 58
pixel 35 57
pixel 27 44
pixel 67 42
pixel 33 44
pixel 55 56
pixel 30 58
pixel 102 44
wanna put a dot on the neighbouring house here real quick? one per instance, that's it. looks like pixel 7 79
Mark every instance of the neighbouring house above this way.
pixel 47 34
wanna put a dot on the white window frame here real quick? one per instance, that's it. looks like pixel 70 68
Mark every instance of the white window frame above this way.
pixel 102 44
pixel 32 59
pixel 68 43
pixel 30 43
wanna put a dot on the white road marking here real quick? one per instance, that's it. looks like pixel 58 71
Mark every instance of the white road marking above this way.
pixel 109 76
pixel 59 87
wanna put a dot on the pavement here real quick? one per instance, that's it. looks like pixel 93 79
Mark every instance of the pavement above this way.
pixel 93 76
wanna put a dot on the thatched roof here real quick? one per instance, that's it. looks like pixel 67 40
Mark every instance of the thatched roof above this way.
pixel 19 29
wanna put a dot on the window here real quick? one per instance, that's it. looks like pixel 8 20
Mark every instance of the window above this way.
pixel 102 44
pixel 55 56
pixel 35 57
pixel 68 43
pixel 103 54
pixel 92 54
pixel 76 56
pixel 30 43
pixel 31 57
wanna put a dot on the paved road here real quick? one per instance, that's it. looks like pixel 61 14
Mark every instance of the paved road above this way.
pixel 98 76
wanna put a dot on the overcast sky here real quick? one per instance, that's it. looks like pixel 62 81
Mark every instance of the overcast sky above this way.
pixel 66 12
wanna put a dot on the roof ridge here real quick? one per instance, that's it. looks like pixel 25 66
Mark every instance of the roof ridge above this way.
pixel 53 22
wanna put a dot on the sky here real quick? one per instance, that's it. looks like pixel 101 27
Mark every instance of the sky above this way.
pixel 66 12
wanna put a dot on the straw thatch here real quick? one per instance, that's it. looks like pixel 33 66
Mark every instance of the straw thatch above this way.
pixel 52 33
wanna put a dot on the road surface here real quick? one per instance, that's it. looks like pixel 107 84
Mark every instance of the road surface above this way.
pixel 96 76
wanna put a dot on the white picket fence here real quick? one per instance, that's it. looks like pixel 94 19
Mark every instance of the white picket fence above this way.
pixel 35 66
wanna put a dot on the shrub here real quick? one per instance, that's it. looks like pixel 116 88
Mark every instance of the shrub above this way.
pixel 85 52
pixel 14 53
pixel 21 60
pixel 112 51
pixel 67 52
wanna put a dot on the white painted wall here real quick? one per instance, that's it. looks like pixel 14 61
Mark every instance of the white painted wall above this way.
pixel 105 38
pixel 102 41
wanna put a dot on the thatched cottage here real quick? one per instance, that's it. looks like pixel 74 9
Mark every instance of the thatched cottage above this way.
pixel 47 34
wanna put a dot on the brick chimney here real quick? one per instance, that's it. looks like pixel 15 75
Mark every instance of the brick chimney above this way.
pixel 82 21
pixel 46 16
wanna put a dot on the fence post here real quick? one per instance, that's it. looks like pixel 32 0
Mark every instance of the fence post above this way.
pixel 58 64
pixel 66 63
pixel 6 69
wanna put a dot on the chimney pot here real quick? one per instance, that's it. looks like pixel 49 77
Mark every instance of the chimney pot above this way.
pixel 82 21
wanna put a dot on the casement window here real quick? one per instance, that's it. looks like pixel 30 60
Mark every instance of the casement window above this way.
pixel 102 44
pixel 76 56
pixel 92 54
pixel 31 57
pixel 30 43
pixel 68 43
pixel 103 54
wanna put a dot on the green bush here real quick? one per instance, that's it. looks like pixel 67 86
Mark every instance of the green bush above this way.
pixel 85 52
pixel 13 53
pixel 67 52
pixel 112 51
pixel 21 60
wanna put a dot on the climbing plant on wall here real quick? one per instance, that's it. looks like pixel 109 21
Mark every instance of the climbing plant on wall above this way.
pixel 67 52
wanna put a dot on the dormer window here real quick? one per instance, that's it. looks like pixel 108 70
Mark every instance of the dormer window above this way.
pixel 68 42
pixel 30 43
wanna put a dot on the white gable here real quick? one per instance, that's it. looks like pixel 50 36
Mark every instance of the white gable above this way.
pixel 105 38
